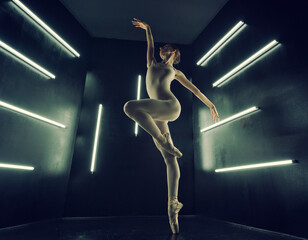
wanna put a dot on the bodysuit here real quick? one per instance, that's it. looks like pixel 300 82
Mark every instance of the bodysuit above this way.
pixel 158 79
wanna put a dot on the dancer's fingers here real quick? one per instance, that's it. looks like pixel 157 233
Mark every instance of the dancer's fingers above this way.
pixel 136 23
pixel 215 116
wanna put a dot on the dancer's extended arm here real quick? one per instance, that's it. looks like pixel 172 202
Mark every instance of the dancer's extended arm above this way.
pixel 150 41
pixel 180 76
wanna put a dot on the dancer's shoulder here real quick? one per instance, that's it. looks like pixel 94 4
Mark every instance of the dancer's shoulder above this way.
pixel 153 61
pixel 177 72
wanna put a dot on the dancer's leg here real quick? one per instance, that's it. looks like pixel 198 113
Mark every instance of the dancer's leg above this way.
pixel 144 112
pixel 144 119
pixel 173 170
pixel 173 177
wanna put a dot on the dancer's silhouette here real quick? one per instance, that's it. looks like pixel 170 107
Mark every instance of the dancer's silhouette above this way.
pixel 154 113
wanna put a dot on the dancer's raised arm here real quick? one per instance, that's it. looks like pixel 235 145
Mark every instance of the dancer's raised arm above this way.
pixel 180 76
pixel 150 41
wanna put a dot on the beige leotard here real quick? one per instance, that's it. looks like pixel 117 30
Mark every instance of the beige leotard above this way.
pixel 158 80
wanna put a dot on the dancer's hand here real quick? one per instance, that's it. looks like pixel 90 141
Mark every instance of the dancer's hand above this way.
pixel 214 112
pixel 139 23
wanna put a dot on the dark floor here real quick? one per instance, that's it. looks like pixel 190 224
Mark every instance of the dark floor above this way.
pixel 137 228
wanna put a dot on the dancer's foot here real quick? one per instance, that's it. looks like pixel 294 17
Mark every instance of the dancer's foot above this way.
pixel 165 143
pixel 174 206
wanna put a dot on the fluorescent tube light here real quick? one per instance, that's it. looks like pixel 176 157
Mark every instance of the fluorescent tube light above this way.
pixel 25 59
pixel 19 110
pixel 209 54
pixel 138 97
pixel 229 119
pixel 284 162
pixel 48 29
pixel 98 124
pixel 245 63
pixel 3 165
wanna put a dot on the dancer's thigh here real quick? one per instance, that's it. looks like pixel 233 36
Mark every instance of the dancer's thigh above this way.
pixel 163 110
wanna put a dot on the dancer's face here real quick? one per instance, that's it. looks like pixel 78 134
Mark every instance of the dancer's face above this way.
pixel 165 51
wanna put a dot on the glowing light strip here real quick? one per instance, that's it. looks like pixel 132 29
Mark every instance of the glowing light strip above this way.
pixel 246 62
pixel 220 43
pixel 98 124
pixel 139 86
pixel 3 165
pixel 25 59
pixel 138 97
pixel 19 110
pixel 48 29
pixel 229 119
pixel 284 162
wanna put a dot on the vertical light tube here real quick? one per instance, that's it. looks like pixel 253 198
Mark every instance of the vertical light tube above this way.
pixel 138 97
pixel 43 25
pixel 218 45
pixel 98 123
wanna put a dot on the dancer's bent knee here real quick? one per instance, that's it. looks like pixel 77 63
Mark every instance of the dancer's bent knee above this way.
pixel 129 108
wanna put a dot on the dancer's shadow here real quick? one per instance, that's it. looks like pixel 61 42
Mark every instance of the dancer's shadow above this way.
pixel 175 237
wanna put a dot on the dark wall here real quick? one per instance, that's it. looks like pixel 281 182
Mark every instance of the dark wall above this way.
pixel 130 175
pixel 27 196
pixel 273 198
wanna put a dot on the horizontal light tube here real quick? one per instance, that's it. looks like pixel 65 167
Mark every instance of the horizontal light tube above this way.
pixel 98 124
pixel 25 59
pixel 48 29
pixel 19 110
pixel 3 165
pixel 229 119
pixel 284 162
pixel 246 62
pixel 220 43
pixel 138 97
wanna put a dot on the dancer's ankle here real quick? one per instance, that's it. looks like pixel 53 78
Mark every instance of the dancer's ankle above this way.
pixel 172 198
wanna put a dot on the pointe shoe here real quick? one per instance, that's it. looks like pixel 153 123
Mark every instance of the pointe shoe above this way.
pixel 169 147
pixel 174 206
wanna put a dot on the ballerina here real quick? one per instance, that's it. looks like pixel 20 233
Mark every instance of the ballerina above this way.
pixel 154 113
